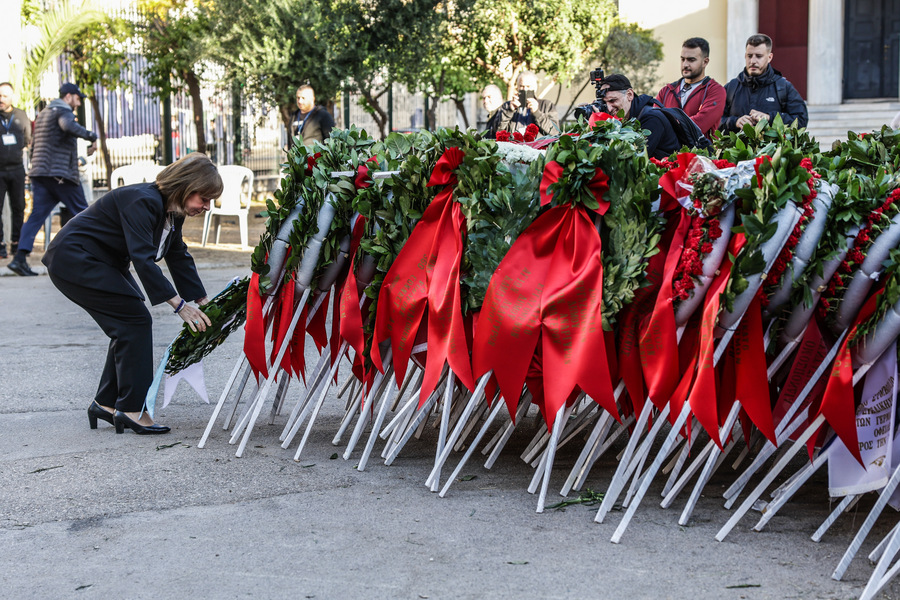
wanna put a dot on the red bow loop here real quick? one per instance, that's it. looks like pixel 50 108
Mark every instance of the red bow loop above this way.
pixel 598 185
pixel 443 171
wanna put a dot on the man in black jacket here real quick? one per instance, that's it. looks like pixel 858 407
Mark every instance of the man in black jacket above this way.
pixel 760 92
pixel 54 168
pixel 311 122
pixel 619 96
pixel 514 116
pixel 15 129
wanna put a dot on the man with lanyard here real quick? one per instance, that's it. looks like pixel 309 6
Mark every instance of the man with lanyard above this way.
pixel 701 97
pixel 311 122
pixel 15 128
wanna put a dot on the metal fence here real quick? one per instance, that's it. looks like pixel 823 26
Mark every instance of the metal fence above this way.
pixel 133 118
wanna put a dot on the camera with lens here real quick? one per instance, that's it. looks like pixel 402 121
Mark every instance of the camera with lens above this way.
pixel 599 104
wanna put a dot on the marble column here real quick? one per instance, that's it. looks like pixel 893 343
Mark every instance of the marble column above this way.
pixel 825 71
pixel 743 21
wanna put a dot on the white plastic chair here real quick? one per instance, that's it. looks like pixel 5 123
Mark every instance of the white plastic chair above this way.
pixel 135 173
pixel 234 201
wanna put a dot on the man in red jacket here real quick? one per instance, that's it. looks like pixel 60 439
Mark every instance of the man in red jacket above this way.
pixel 701 97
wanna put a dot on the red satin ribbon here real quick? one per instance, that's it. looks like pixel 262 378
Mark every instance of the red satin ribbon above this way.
pixel 548 287
pixel 659 341
pixel 598 185
pixel 668 199
pixel 255 331
pixel 750 371
pixel 425 276
pixel 284 313
pixel 349 316
pixel 838 404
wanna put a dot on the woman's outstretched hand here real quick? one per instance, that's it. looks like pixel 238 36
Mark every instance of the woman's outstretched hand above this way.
pixel 193 316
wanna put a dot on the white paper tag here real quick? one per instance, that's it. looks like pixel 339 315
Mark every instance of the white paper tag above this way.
pixel 9 139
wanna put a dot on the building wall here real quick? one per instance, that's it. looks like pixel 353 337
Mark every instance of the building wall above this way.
pixel 674 22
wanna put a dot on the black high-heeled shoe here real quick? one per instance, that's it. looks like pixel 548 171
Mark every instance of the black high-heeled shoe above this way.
pixel 122 421
pixel 95 411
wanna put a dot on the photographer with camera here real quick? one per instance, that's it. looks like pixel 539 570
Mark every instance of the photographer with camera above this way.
pixel 525 109
pixel 616 91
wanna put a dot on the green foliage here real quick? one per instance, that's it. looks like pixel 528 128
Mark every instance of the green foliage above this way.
pixel 271 46
pixel 227 312
pixel 502 38
pixel 56 28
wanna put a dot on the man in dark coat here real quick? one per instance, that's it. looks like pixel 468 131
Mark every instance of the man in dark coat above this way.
pixel 760 92
pixel 514 116
pixel 619 96
pixel 54 168
pixel 311 122
pixel 15 128
pixel 702 98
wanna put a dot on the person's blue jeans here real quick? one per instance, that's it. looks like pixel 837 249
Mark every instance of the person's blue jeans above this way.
pixel 47 192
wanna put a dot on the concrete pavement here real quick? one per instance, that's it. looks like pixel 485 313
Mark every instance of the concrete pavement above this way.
pixel 92 514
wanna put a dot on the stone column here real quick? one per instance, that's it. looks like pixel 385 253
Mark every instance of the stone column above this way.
pixel 743 21
pixel 826 52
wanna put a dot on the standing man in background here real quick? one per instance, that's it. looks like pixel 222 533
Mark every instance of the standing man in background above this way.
pixel 760 92
pixel 15 128
pixel 54 168
pixel 311 122
pixel 701 97
pixel 491 99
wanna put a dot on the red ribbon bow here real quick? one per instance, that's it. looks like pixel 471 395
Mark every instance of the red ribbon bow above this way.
pixel 598 185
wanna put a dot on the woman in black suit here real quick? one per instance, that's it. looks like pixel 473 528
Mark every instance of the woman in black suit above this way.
pixel 88 262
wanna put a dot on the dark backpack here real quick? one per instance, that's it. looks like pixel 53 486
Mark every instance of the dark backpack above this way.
pixel 686 130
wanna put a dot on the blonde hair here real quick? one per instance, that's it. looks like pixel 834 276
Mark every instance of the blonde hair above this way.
pixel 195 173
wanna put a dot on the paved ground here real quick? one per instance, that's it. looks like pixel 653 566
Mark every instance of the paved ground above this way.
pixel 92 514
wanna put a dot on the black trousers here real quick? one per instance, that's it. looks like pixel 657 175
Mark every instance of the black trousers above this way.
pixel 13 182
pixel 128 371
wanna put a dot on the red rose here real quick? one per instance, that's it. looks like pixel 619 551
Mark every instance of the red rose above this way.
pixel 502 136
pixel 311 162
pixel 518 137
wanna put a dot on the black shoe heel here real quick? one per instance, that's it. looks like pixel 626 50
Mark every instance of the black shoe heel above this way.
pixel 95 411
pixel 122 421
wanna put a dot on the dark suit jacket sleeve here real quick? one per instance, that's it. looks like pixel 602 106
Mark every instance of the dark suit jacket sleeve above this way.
pixel 795 109
pixel 181 266
pixel 68 124
pixel 710 113
pixel 546 117
pixel 140 215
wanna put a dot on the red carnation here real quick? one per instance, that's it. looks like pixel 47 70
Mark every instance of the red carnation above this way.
pixel 518 137
pixel 502 136
pixel 311 162
pixel 722 163
pixel 844 267
pixel 706 248
pixel 792 241
pixel 531 132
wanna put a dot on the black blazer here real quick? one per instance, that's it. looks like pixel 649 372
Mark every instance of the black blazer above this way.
pixel 124 227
